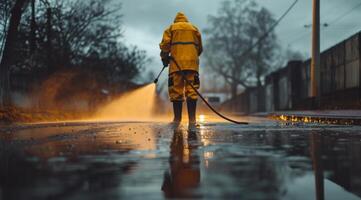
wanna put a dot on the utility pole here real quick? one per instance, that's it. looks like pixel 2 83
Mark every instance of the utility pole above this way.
pixel 315 64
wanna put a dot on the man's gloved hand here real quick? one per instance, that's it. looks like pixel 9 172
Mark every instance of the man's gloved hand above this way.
pixel 165 61
pixel 165 58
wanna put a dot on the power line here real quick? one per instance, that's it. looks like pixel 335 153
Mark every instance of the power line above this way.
pixel 301 36
pixel 269 30
pixel 345 14
pixel 329 12
pixel 327 25
pixel 334 28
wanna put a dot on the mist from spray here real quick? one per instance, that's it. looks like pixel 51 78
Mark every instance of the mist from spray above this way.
pixel 137 105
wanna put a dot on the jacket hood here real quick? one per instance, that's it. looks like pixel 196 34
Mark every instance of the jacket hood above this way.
pixel 181 17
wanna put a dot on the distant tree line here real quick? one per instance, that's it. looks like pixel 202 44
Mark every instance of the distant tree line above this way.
pixel 40 37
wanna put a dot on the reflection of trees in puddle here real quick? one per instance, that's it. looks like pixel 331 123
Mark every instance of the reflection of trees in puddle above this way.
pixel 183 177
pixel 89 163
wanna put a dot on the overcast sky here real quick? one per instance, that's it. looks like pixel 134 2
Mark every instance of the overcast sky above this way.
pixel 145 21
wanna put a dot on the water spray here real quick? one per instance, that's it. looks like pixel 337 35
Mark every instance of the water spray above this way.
pixel 198 93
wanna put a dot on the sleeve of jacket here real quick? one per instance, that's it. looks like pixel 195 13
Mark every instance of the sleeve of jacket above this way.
pixel 200 45
pixel 165 45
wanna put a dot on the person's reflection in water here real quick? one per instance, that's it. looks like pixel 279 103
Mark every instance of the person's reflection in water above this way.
pixel 183 177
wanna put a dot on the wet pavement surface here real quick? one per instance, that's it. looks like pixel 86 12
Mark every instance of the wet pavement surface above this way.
pixel 119 160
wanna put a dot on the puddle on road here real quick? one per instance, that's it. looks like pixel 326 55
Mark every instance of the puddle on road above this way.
pixel 219 161
pixel 282 163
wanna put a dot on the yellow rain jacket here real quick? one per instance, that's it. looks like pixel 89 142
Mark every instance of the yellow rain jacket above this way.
pixel 183 42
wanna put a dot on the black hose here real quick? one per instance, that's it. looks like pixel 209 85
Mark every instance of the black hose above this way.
pixel 156 80
pixel 203 99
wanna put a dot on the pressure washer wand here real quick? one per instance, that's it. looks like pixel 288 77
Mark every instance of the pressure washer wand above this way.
pixel 160 73
pixel 201 96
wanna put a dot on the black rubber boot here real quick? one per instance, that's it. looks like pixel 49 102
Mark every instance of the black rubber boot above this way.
pixel 177 110
pixel 192 106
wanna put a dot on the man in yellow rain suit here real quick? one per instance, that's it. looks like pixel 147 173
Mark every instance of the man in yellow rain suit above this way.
pixel 182 41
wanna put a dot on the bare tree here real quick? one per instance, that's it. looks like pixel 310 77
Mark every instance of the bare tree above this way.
pixel 69 35
pixel 8 53
pixel 263 56
pixel 33 28
pixel 237 26
pixel 5 10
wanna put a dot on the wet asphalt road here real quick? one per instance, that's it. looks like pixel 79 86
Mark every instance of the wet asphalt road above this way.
pixel 119 160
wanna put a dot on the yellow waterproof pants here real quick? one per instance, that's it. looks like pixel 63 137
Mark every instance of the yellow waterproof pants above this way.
pixel 178 88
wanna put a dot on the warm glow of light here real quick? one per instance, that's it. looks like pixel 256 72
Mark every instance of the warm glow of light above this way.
pixel 202 118
pixel 208 155
pixel 284 118
pixel 186 155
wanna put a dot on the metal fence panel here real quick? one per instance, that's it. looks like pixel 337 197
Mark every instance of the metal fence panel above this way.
pixel 283 95
pixel 338 54
pixel 340 77
pixel 326 66
pixel 323 62
pixel 352 48
pixel 353 74
pixel 269 98
pixel 261 95
pixel 306 79
pixel 323 71
pixel 307 82
pixel 253 101
pixel 330 73
pixel 240 104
